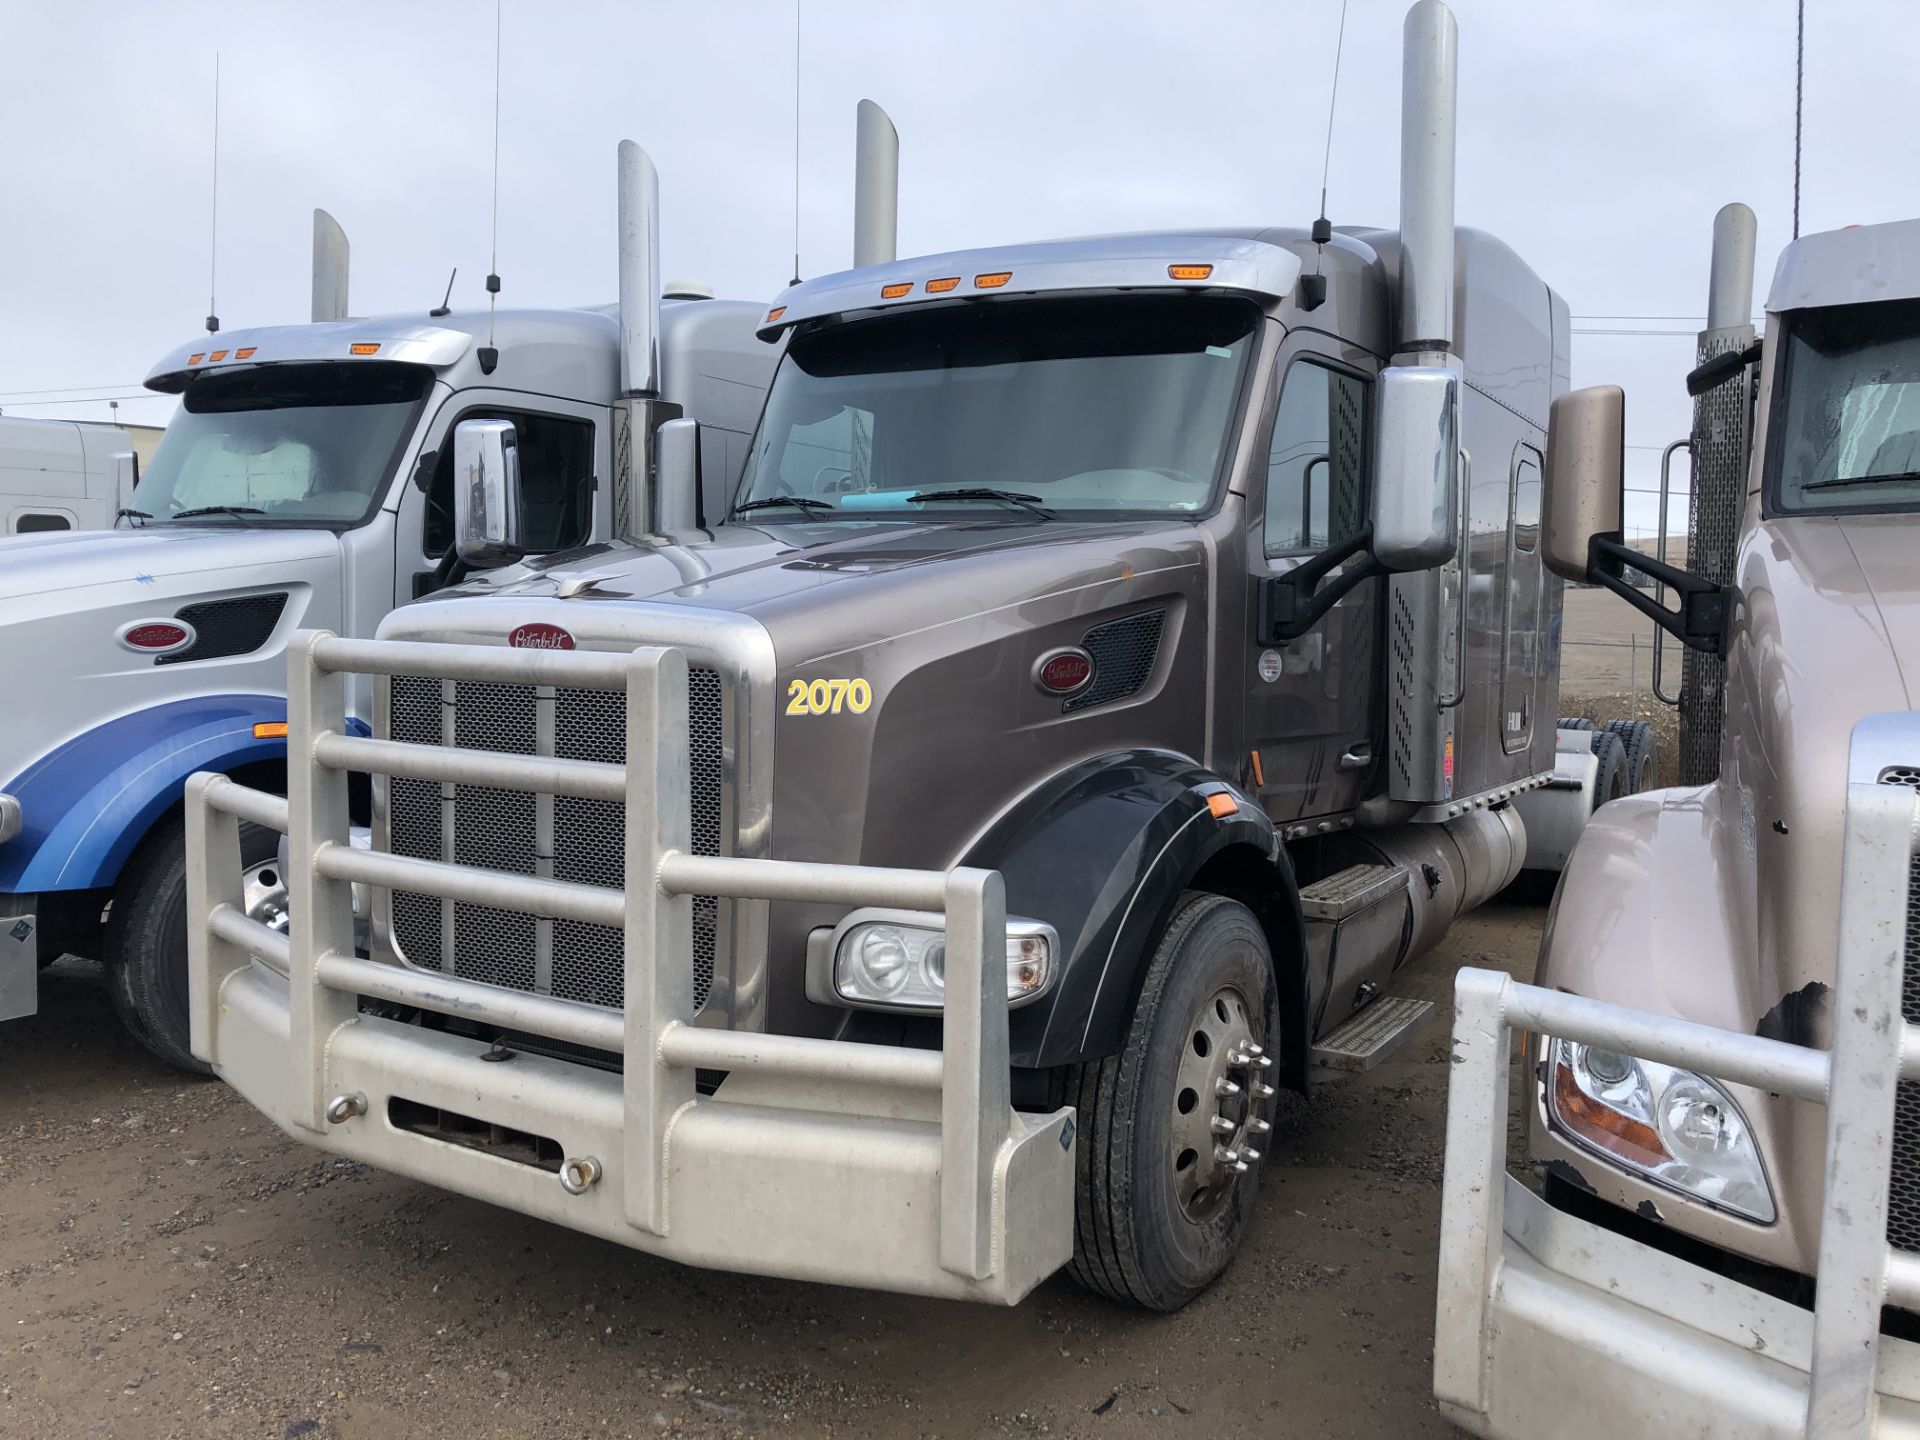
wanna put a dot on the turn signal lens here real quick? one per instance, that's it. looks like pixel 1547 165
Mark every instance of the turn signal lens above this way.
pixel 270 730
pixel 894 292
pixel 1220 805
pixel 1189 272
pixel 775 313
pixel 364 347
pixel 993 281
pixel 245 352
pixel 942 285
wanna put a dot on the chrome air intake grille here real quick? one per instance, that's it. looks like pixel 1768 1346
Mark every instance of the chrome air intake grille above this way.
pixel 503 830
pixel 1903 1192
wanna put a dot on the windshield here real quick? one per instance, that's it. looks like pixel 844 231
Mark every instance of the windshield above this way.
pixel 1080 408
pixel 1848 419
pixel 309 445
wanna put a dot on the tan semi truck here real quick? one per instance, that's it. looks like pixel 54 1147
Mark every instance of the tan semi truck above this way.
pixel 1719 1054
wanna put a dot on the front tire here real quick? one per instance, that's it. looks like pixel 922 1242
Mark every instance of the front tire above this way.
pixel 146 949
pixel 1168 1164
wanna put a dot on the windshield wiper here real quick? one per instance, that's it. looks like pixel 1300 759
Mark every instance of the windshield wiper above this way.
pixel 217 510
pixel 1860 480
pixel 1030 503
pixel 793 502
pixel 130 514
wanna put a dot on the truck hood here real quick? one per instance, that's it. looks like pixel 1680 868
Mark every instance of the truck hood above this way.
pixel 73 559
pixel 1883 549
pixel 910 574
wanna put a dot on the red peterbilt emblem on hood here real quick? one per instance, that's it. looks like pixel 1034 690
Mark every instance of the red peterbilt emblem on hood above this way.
pixel 540 636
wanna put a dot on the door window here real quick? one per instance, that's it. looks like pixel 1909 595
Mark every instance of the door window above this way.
pixel 36 524
pixel 1316 465
pixel 556 481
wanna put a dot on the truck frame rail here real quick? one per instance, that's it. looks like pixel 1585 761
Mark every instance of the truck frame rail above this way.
pixel 817 1159
pixel 1527 1291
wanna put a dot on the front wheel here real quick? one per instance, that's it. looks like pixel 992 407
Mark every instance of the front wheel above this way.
pixel 146 947
pixel 1172 1128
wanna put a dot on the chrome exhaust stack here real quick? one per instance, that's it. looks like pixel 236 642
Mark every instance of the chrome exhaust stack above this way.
pixel 329 268
pixel 638 508
pixel 1429 94
pixel 876 187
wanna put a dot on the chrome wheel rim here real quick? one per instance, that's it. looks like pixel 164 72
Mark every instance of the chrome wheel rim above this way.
pixel 1219 1091
pixel 263 893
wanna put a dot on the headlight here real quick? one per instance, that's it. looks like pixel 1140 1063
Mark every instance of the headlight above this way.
pixel 898 960
pixel 1677 1128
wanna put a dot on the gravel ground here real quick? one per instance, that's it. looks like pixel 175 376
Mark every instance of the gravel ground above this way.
pixel 174 1266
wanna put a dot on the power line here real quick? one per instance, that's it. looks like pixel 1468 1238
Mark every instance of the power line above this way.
pixel 68 389
pixel 90 400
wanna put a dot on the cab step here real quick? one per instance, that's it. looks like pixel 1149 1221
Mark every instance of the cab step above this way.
pixel 1370 1035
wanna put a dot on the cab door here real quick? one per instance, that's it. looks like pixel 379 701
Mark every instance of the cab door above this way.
pixel 564 472
pixel 1311 703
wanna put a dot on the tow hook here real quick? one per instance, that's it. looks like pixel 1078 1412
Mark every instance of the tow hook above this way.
pixel 343 1108
pixel 579 1175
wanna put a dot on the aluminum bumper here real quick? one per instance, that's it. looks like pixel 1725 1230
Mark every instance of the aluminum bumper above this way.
pixel 1588 1331
pixel 815 1159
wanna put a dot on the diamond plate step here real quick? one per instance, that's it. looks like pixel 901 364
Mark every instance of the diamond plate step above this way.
pixel 1371 1034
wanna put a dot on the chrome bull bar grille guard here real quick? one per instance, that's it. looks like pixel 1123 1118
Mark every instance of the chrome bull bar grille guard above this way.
pixel 1514 1274
pixel 799 1127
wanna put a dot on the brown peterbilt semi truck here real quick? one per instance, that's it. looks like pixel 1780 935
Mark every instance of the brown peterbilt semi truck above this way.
pixel 1720 1060
pixel 921 868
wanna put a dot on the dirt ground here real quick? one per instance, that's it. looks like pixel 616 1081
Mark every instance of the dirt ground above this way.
pixel 173 1266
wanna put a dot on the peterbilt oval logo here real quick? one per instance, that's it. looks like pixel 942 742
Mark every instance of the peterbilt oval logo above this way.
pixel 1065 671
pixel 540 636
pixel 155 637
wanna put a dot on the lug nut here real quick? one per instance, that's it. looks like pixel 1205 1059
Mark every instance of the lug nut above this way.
pixel 1263 1092
pixel 1259 1127
pixel 342 1108
pixel 1222 1126
pixel 1226 1155
pixel 1251 1155
pixel 1260 1062
pixel 1253 1049
pixel 1226 1089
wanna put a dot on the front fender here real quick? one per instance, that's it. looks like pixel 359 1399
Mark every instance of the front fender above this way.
pixel 86 804
pixel 1102 852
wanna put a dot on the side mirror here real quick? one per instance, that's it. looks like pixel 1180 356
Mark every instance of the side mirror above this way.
pixel 486 493
pixel 1586 467
pixel 126 476
pixel 1416 473
pixel 1581 521
pixel 677 475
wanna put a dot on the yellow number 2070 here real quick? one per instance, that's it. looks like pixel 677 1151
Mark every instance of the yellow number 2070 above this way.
pixel 828 697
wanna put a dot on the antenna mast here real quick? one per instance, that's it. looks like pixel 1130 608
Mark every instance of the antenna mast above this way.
pixel 489 356
pixel 1313 288
pixel 213 221
pixel 796 142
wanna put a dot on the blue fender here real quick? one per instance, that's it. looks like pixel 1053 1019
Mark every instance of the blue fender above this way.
pixel 85 805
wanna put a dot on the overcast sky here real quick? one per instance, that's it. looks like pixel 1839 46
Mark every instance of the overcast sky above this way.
pixel 1598 140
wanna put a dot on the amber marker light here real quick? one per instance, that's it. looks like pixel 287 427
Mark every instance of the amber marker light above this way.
pixel 1220 805
pixel 364 347
pixel 1605 1127
pixel 993 281
pixel 896 290
pixel 775 313
pixel 245 352
pixel 196 359
pixel 942 285
pixel 1189 272
pixel 270 730
pixel 216 355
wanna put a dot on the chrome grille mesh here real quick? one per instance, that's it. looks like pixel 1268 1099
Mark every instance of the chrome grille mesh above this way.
pixel 1903 1190
pixel 504 830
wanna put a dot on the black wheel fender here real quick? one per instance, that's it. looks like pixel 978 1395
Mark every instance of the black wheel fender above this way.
pixel 1102 852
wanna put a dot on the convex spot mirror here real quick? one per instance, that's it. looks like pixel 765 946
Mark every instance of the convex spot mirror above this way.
pixel 1586 433
pixel 486 493
pixel 1416 467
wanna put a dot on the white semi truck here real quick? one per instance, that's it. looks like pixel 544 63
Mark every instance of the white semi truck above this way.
pixel 312 477
pixel 1719 1064
pixel 58 475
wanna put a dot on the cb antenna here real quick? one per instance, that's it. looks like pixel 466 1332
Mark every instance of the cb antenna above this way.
pixel 445 307
pixel 213 221
pixel 488 356
pixel 1313 288
pixel 796 142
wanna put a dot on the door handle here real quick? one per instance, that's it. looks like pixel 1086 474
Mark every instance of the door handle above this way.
pixel 1358 758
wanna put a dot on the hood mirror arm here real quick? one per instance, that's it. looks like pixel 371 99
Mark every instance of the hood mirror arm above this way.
pixel 1292 604
pixel 1705 608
